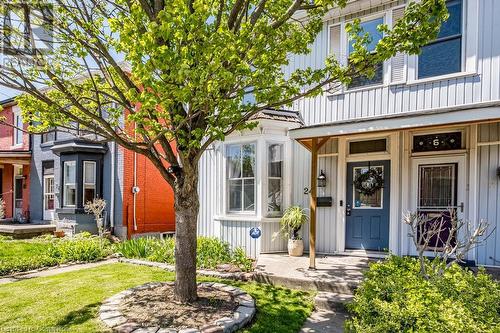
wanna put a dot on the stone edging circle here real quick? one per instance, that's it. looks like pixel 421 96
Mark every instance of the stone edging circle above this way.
pixel 111 316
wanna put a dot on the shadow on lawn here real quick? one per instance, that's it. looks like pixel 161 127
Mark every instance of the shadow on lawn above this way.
pixel 80 316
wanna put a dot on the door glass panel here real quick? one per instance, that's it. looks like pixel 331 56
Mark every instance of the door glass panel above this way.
pixel 361 200
pixel 437 187
pixel 437 201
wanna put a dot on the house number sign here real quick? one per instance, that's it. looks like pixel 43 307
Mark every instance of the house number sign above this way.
pixel 437 142
pixel 255 233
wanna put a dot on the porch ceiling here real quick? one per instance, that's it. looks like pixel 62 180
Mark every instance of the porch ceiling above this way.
pixel 425 118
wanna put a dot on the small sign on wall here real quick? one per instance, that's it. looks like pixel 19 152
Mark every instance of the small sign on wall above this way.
pixel 255 232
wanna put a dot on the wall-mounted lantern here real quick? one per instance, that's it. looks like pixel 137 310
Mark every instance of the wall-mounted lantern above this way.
pixel 322 200
pixel 498 172
pixel 321 183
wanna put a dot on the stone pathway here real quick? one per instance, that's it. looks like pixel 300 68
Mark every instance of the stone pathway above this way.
pixel 325 321
pixel 54 271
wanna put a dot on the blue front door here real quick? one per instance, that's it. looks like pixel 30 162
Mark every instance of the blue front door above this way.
pixel 367 216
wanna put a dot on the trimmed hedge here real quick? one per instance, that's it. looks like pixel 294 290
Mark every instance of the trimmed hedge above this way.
pixel 394 297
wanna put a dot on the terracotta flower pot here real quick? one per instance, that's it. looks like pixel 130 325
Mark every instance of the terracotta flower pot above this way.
pixel 59 233
pixel 295 247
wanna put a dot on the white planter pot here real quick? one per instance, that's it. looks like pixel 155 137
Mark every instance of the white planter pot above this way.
pixel 295 247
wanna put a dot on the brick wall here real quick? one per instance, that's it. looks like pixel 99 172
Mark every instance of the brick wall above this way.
pixel 7 132
pixel 154 202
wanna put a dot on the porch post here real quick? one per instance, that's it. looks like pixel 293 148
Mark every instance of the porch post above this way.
pixel 312 204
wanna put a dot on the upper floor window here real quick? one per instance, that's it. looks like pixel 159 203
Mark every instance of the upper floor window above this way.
pixel 370 27
pixel 69 183
pixel 18 129
pixel 444 55
pixel 241 177
pixel 274 179
pixel 49 136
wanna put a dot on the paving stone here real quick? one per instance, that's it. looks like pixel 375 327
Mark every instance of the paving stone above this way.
pixel 212 329
pixel 147 330
pixel 167 330
pixel 109 314
pixel 189 330
pixel 128 327
pixel 243 315
pixel 245 300
pixel 116 321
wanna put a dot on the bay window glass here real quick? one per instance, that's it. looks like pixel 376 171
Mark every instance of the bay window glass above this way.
pixel 369 27
pixel 241 177
pixel 89 181
pixel 69 183
pixel 444 55
pixel 274 179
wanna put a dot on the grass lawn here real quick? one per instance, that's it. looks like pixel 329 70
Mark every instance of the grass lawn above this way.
pixel 69 302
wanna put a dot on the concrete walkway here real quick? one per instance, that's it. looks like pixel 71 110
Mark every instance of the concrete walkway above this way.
pixel 335 278
pixel 55 271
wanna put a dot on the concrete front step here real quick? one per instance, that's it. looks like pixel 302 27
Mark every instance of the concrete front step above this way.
pixel 323 321
pixel 332 301
pixel 340 286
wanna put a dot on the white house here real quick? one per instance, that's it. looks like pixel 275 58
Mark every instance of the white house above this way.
pixel 430 124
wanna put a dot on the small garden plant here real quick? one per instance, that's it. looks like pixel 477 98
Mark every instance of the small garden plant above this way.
pixel 211 252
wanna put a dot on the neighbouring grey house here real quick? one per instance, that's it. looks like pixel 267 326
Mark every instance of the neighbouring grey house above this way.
pixel 66 172
pixel 429 124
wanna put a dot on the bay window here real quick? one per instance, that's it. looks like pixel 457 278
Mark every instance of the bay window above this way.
pixel 274 179
pixel 89 181
pixel 69 183
pixel 241 177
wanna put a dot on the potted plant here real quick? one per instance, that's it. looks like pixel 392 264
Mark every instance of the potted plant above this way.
pixel 292 221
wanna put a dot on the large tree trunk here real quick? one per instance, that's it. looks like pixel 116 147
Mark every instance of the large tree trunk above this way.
pixel 186 215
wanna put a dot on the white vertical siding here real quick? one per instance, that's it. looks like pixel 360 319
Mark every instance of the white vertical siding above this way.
pixel 237 234
pixel 208 188
pixel 489 193
pixel 382 100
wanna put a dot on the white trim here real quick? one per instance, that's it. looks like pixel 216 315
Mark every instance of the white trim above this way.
pixel 48 212
pixel 341 193
pixel 473 185
pixel 461 189
pixel 490 143
pixel 414 119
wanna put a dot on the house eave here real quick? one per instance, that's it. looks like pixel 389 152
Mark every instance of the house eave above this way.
pixel 479 112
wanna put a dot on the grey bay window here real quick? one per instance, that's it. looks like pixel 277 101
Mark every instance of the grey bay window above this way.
pixel 89 181
pixel 69 183
pixel 444 55
pixel 369 27
pixel 274 179
pixel 241 177
pixel 81 180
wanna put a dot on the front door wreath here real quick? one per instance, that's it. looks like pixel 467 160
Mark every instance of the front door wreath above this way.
pixel 369 182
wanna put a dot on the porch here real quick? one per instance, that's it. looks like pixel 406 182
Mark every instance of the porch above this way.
pixel 25 230
pixel 334 273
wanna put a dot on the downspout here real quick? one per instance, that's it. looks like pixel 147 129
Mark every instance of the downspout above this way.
pixel 134 189
pixel 112 203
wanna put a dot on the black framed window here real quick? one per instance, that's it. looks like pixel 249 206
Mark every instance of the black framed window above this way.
pixel 81 179
pixel 444 55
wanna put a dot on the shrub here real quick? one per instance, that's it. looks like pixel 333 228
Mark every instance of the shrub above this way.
pixel 211 252
pixel 395 297
pixel 81 248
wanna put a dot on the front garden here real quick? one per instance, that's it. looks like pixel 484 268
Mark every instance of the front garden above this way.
pixel 70 302
pixel 47 251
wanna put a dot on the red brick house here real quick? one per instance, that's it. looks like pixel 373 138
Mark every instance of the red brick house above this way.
pixel 15 157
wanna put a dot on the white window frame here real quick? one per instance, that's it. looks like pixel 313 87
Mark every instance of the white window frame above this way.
pixel 346 41
pixel 17 133
pixel 84 184
pixel 268 177
pixel 226 179
pixel 65 183
pixel 470 48
pixel 462 49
